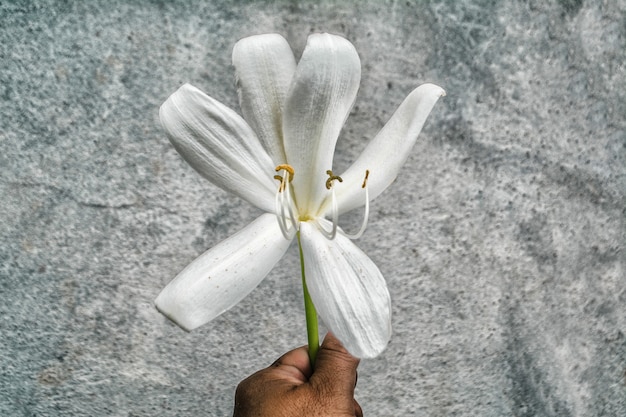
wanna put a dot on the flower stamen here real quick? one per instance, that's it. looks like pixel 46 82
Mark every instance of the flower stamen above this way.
pixel 284 206
pixel 287 169
pixel 334 210
pixel 331 178
pixel 367 210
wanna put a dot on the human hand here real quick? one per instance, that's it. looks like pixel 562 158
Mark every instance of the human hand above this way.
pixel 290 388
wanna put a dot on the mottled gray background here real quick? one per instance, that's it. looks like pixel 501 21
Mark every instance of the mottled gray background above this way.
pixel 502 241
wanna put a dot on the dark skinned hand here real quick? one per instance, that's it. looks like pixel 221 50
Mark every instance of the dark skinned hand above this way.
pixel 290 388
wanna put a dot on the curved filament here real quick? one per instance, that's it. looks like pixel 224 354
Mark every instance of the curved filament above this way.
pixel 284 206
pixel 335 217
pixel 366 215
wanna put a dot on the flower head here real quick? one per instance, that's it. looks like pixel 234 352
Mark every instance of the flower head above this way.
pixel 278 157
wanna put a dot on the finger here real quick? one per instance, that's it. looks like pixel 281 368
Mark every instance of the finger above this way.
pixel 335 367
pixel 358 411
pixel 293 365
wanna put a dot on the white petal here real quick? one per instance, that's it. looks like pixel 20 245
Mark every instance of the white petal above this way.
pixel 348 290
pixel 385 155
pixel 220 145
pixel 222 276
pixel 264 67
pixel 322 93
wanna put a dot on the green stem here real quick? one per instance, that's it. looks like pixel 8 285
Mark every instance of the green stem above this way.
pixel 310 312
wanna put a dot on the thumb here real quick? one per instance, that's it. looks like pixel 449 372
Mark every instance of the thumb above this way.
pixel 335 368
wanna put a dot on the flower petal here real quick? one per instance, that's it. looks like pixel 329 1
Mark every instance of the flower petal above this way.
pixel 348 290
pixel 220 145
pixel 264 67
pixel 222 276
pixel 385 155
pixel 322 93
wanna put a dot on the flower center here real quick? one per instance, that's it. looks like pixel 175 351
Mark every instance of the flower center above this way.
pixel 285 210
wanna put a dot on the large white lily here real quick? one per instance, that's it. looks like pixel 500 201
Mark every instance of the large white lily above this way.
pixel 278 157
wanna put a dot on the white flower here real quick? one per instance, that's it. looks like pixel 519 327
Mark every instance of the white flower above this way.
pixel 292 117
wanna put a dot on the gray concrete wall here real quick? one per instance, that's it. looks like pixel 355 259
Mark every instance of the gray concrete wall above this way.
pixel 502 242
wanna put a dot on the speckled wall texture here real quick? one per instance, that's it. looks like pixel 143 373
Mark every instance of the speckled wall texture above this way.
pixel 502 242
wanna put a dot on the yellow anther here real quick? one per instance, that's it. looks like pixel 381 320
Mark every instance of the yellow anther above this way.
pixel 281 188
pixel 287 168
pixel 367 174
pixel 279 178
pixel 331 178
pixel 283 183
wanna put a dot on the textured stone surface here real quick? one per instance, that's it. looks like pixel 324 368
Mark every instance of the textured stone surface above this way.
pixel 502 241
